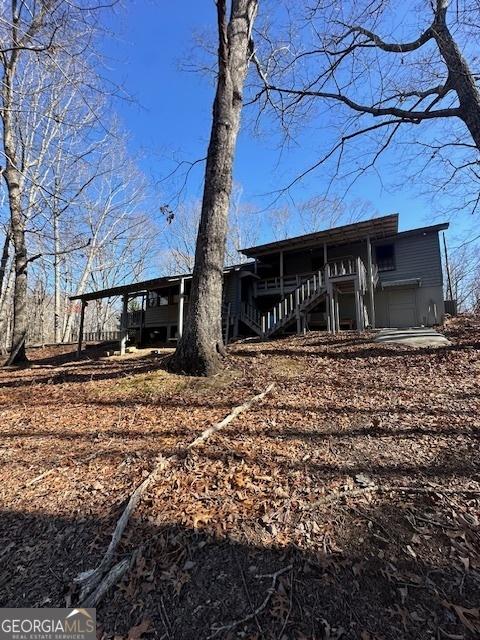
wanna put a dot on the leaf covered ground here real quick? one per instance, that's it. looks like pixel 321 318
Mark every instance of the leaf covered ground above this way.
pixel 345 505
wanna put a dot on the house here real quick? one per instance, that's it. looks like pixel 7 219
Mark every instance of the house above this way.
pixel 366 274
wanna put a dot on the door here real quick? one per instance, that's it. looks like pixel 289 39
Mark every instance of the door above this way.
pixel 402 308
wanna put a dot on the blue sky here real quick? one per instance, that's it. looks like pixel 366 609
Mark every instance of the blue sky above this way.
pixel 171 116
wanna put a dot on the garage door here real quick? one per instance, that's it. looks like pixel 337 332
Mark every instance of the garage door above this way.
pixel 402 308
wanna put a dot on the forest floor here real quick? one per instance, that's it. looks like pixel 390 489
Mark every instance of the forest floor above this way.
pixel 345 505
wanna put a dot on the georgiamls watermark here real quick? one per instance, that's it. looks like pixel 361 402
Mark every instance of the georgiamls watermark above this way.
pixel 47 624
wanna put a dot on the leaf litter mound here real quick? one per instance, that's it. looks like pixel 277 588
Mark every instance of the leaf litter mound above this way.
pixel 345 505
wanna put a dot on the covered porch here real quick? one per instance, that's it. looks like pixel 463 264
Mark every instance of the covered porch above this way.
pixel 345 261
pixel 145 306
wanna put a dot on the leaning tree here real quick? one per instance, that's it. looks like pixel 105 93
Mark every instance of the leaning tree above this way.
pixel 201 345
pixel 381 72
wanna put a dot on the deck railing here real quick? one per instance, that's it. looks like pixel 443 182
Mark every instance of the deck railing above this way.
pixel 134 318
pixel 251 314
pixel 101 336
pixel 289 282
pixel 338 268
pixel 343 267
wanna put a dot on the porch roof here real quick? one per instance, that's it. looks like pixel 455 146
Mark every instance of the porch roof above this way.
pixel 149 285
pixel 376 228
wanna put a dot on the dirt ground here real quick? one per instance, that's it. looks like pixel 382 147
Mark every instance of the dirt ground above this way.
pixel 345 505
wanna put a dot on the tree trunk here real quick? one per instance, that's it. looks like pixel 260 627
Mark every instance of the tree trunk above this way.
pixel 57 301
pixel 14 181
pixel 200 347
pixel 20 316
pixel 4 258
pixel 460 76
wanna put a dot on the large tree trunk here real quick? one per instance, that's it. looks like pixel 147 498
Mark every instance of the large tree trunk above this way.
pixel 200 347
pixel 460 77
pixel 20 316
pixel 14 181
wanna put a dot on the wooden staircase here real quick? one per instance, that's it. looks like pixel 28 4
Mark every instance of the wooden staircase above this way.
pixel 295 303
pixel 299 301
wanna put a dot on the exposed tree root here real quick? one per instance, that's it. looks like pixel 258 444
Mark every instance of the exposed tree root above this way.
pixel 95 582
pixel 258 610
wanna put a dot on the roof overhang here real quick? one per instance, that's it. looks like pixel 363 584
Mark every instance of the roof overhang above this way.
pixel 375 228
pixel 138 288
pixel 420 231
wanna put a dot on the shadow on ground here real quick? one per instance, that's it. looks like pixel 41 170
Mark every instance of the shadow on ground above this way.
pixel 189 583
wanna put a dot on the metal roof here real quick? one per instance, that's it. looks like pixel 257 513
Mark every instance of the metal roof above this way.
pixel 385 227
pixel 375 228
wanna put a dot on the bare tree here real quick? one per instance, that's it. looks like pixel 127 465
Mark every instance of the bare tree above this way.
pixel 38 41
pixel 201 345
pixel 363 64
pixel 180 236
pixel 110 221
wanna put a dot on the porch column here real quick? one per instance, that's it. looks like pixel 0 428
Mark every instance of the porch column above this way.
pixel 359 311
pixel 142 320
pixel 328 314
pixel 325 256
pixel 297 311
pixel 80 328
pixel 281 273
pixel 124 325
pixel 333 322
pixel 371 293
pixel 337 312
pixel 181 301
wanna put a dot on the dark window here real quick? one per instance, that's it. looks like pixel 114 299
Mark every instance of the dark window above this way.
pixel 385 257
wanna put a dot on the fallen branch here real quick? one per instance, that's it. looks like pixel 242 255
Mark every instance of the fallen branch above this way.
pixel 258 610
pixel 89 580
pixel 44 475
pixel 351 493
pixel 113 576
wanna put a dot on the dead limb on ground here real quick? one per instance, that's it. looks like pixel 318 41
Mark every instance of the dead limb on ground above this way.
pixel 96 582
pixel 216 629
pixel 374 488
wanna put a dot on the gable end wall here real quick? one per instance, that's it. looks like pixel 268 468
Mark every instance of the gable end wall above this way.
pixel 417 257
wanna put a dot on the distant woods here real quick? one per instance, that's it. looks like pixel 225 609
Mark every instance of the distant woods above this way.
pixel 71 197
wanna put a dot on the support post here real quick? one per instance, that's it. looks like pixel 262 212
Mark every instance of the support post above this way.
pixel 371 293
pixel 337 312
pixel 80 328
pixel 325 256
pixel 297 311
pixel 281 274
pixel 333 322
pixel 142 320
pixel 124 325
pixel 181 302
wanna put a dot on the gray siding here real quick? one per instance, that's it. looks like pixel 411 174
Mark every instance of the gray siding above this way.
pixel 163 316
pixel 417 257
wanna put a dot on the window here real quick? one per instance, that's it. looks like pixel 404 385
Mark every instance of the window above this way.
pixel 156 299
pixel 385 257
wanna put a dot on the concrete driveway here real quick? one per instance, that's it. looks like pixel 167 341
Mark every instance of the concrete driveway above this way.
pixel 413 336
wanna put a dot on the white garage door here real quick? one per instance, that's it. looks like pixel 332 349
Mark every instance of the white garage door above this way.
pixel 402 308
